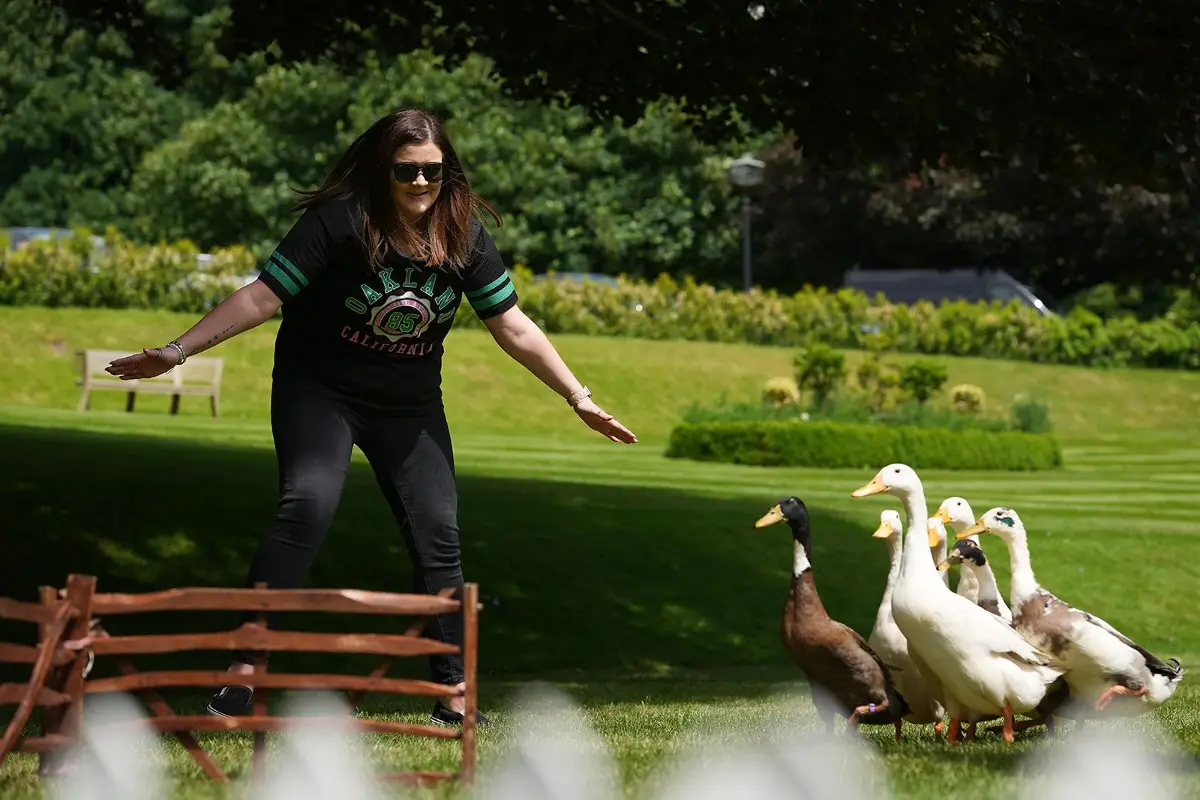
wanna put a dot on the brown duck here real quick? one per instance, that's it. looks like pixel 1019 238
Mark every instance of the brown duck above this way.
pixel 847 678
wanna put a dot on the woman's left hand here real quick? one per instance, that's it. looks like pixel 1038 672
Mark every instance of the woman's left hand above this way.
pixel 599 420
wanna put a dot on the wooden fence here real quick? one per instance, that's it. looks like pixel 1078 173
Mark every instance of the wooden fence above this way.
pixel 71 639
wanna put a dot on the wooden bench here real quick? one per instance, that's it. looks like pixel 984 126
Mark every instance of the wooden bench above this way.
pixel 199 376
pixel 77 610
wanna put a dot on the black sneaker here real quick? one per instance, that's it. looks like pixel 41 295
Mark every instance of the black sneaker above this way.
pixel 444 716
pixel 231 701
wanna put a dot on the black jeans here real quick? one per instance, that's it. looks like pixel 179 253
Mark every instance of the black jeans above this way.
pixel 413 461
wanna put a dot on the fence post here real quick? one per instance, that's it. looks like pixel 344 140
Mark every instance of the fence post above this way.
pixel 80 589
pixel 259 701
pixel 51 716
pixel 470 668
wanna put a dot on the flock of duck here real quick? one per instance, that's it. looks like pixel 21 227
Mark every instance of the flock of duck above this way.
pixel 965 654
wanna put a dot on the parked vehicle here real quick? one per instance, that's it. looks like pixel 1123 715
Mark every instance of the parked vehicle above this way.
pixel 935 285
pixel 18 237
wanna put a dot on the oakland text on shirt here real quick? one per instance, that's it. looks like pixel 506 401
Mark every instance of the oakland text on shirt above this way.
pixel 398 314
pixel 404 310
pixel 395 317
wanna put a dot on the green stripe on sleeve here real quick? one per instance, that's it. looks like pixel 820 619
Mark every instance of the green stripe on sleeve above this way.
pixel 296 273
pixel 499 297
pixel 278 274
pixel 478 293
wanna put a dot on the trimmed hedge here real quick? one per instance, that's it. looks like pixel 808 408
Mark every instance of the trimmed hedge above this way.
pixel 779 443
pixel 74 272
pixel 171 276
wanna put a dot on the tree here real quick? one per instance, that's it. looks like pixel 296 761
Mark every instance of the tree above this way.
pixel 75 119
pixel 1058 84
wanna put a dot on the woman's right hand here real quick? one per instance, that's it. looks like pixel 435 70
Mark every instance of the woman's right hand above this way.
pixel 150 363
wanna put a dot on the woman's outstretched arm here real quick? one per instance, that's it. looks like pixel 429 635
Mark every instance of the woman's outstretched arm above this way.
pixel 248 307
pixel 529 346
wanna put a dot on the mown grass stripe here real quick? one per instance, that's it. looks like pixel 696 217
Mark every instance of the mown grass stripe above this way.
pixel 499 454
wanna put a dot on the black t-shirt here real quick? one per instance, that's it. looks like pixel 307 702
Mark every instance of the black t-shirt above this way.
pixel 373 337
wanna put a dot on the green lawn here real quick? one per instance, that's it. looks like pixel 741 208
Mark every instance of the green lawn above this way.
pixel 637 582
pixel 647 384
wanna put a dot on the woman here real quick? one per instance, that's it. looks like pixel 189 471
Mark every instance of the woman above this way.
pixel 369 279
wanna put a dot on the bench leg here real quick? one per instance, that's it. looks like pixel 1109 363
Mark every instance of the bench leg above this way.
pixel 215 405
pixel 84 400
pixel 174 404
pixel 129 401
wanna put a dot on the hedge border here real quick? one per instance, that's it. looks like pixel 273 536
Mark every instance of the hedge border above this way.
pixel 793 443
pixel 172 276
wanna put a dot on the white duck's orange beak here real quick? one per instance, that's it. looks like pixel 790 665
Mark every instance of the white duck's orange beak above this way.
pixel 875 486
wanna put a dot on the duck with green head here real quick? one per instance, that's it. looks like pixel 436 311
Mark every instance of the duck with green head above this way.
pixel 1101 664
pixel 846 676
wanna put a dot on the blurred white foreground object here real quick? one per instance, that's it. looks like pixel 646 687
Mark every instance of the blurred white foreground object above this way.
pixel 320 760
pixel 557 755
pixel 788 764
pixel 1113 762
pixel 126 761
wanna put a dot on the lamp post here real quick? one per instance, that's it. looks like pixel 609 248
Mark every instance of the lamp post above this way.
pixel 744 174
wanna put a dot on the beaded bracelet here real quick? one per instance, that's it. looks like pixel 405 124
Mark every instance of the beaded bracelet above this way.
pixel 179 348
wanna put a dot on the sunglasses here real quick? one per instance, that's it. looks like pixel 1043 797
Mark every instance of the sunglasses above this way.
pixel 407 171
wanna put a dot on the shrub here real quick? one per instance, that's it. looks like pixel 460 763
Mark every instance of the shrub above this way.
pixel 878 383
pixel 778 443
pixel 1030 415
pixel 779 392
pixel 922 378
pixel 967 398
pixel 819 369
pixel 849 408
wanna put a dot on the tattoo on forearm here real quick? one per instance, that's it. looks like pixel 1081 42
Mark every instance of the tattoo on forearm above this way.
pixel 216 337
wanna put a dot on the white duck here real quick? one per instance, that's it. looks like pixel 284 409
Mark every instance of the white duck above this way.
pixel 1099 661
pixel 978 665
pixel 969 557
pixel 956 512
pixel 889 643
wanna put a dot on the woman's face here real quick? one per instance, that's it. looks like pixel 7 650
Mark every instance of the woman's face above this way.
pixel 416 178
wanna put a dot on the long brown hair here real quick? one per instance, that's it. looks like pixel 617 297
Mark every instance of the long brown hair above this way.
pixel 364 175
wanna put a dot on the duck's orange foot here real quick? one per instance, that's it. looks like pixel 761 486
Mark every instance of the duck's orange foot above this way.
pixel 1008 723
pixel 938 727
pixel 1021 725
pixel 1113 691
pixel 953 734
